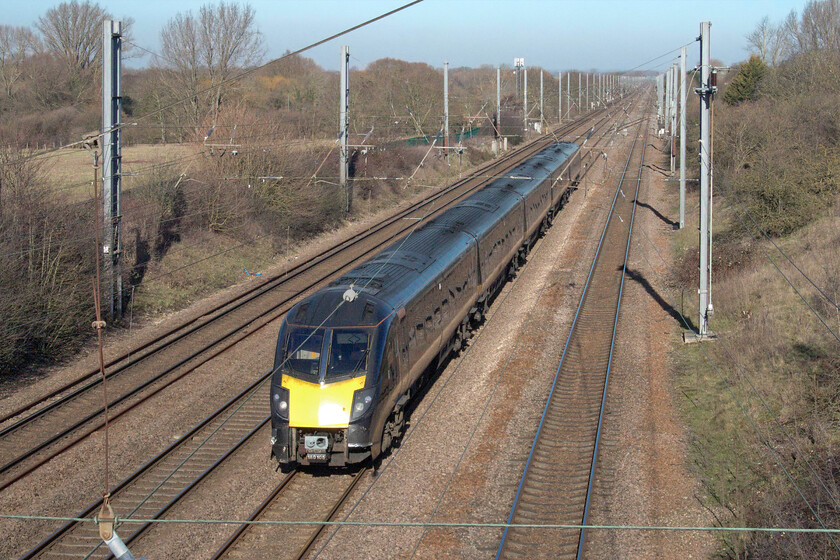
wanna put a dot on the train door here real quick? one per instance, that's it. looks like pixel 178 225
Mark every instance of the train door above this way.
pixel 389 375
pixel 402 341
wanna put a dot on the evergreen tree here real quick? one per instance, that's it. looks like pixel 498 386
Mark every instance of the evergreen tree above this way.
pixel 744 85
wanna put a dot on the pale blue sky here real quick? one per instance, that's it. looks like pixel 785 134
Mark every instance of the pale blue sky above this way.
pixel 556 34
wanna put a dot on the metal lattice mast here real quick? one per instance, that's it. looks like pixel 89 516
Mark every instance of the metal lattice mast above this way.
pixel 659 100
pixel 499 103
pixel 560 98
pixel 705 91
pixel 542 121
pixel 525 97
pixel 112 161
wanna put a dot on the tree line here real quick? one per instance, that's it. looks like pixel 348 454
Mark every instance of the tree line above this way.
pixel 50 73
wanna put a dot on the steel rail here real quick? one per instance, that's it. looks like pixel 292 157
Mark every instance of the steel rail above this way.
pixel 158 462
pixel 612 344
pixel 85 424
pixel 172 449
pixel 536 472
pixel 255 515
pixel 278 533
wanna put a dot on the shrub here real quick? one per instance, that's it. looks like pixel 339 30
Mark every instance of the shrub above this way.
pixel 744 85
pixel 45 282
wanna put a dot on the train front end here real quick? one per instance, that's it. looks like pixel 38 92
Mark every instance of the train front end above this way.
pixel 325 381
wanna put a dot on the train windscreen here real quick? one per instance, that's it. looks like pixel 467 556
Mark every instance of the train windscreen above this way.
pixel 348 352
pixel 303 351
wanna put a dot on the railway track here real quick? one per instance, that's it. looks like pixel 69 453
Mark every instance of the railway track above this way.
pixel 556 485
pixel 166 480
pixel 290 502
pixel 271 541
pixel 36 433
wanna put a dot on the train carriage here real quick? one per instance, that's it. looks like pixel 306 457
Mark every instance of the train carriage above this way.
pixel 350 356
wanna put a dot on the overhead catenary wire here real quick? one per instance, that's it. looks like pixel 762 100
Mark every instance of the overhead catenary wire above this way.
pixel 672 51
pixel 232 79
pixel 765 441
pixel 416 423
pixel 454 525
pixel 268 378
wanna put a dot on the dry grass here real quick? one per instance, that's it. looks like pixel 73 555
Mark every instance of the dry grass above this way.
pixel 185 273
pixel 771 347
pixel 71 170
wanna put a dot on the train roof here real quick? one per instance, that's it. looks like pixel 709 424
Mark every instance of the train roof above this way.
pixel 526 176
pixel 328 307
pixel 400 271
pixel 402 268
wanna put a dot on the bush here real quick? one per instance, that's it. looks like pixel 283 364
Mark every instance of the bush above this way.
pixel 46 301
pixel 744 85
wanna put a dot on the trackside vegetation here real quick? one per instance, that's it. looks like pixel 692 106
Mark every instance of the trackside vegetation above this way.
pixel 225 174
pixel 761 403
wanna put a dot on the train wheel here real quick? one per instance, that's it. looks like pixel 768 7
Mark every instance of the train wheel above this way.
pixel 392 433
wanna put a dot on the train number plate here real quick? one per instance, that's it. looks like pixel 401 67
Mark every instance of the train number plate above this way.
pixel 316 457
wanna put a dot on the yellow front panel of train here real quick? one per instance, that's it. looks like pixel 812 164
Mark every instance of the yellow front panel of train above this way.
pixel 312 405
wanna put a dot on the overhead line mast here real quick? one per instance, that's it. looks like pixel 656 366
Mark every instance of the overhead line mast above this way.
pixel 706 92
pixel 344 129
pixel 446 109
pixel 112 162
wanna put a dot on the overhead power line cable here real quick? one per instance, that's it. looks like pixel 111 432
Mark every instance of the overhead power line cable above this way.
pixel 658 57
pixel 779 249
pixel 229 80
pixel 287 55
pixel 764 439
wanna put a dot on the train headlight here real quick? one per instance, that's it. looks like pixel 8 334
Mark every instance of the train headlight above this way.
pixel 280 402
pixel 362 402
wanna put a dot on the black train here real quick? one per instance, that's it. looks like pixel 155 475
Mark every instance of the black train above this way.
pixel 350 356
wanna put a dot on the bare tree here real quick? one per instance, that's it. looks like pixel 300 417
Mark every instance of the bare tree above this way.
pixel 201 53
pixel 819 26
pixel 73 32
pixel 770 42
pixel 16 44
